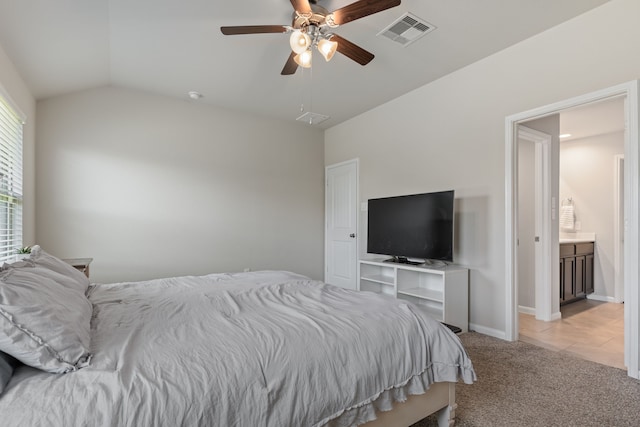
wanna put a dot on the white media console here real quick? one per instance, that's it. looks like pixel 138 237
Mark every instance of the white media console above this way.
pixel 442 292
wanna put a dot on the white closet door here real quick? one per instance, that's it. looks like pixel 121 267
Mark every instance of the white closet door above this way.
pixel 341 217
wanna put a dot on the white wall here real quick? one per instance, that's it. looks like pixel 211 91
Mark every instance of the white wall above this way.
pixel 151 186
pixel 13 86
pixel 451 133
pixel 587 176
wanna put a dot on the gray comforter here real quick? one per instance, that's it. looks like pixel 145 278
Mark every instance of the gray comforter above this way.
pixel 248 349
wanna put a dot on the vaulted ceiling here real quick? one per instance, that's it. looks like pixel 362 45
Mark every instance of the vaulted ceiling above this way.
pixel 172 47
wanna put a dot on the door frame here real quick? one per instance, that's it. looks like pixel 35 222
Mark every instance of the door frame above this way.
pixel 628 90
pixel 356 162
pixel 618 227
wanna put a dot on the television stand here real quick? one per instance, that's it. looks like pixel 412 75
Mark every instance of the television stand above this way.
pixel 441 291
pixel 403 260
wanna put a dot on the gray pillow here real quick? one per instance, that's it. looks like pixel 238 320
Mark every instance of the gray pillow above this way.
pixel 7 365
pixel 68 275
pixel 43 323
pixel 49 266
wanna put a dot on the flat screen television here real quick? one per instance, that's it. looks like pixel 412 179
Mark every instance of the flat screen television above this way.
pixel 413 226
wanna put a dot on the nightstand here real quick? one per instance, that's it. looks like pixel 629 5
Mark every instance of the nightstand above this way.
pixel 81 264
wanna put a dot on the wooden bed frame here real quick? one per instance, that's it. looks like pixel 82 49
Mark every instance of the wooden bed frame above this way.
pixel 440 398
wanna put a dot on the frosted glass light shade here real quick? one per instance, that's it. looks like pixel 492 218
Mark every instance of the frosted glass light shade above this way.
pixel 327 48
pixel 303 59
pixel 299 41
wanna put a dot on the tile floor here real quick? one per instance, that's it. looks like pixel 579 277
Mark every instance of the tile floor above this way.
pixel 592 330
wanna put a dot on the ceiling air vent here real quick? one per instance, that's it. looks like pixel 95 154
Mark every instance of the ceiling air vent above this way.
pixel 407 29
pixel 312 118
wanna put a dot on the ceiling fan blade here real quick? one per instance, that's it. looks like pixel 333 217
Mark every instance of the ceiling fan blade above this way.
pixel 290 67
pixel 253 29
pixel 352 51
pixel 301 6
pixel 362 8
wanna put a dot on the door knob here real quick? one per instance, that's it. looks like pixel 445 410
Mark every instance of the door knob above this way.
pixel 352 235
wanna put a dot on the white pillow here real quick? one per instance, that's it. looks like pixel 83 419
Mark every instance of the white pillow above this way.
pixel 43 323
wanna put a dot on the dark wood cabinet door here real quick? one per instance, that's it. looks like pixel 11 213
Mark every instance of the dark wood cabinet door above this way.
pixel 579 290
pixel 588 274
pixel 568 278
pixel 561 280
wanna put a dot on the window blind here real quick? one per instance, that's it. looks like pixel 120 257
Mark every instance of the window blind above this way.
pixel 11 127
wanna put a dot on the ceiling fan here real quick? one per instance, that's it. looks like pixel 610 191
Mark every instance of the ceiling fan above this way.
pixel 312 27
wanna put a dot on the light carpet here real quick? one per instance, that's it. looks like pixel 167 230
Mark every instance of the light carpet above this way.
pixel 520 384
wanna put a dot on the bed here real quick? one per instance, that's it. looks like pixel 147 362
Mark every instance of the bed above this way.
pixel 268 348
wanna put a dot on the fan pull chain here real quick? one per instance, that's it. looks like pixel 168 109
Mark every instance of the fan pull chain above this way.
pixel 311 96
pixel 310 86
pixel 301 82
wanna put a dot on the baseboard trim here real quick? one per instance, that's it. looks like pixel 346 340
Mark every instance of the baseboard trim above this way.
pixel 532 311
pixel 526 310
pixel 601 298
pixel 488 331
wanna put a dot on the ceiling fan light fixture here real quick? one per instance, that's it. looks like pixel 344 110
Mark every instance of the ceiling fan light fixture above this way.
pixel 299 41
pixel 303 59
pixel 327 48
pixel 330 20
pixel 310 29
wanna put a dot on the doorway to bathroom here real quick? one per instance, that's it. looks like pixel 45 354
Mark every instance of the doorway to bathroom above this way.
pixel 591 163
pixel 549 238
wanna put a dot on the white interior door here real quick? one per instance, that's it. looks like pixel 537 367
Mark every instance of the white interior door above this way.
pixel 539 223
pixel 341 217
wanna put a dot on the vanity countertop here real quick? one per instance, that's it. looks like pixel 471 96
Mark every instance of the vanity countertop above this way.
pixel 577 240
pixel 577 237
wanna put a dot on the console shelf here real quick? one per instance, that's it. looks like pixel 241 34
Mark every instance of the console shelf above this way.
pixel 378 278
pixel 427 294
pixel 441 292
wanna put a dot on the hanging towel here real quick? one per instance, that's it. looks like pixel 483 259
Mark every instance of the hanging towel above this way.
pixel 567 217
